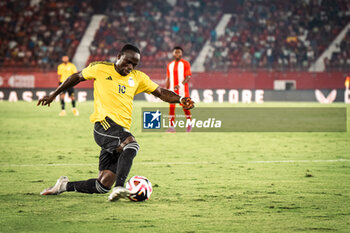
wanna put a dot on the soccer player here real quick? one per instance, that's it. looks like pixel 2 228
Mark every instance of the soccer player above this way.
pixel 115 86
pixel 64 70
pixel 178 75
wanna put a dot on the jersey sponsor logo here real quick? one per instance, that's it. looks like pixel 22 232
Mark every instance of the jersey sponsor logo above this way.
pixel 152 120
pixel 109 78
pixel 131 82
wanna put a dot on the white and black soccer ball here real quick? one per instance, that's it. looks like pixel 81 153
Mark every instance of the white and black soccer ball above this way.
pixel 140 188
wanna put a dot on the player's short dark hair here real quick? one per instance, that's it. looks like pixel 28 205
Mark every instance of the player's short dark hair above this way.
pixel 178 47
pixel 130 47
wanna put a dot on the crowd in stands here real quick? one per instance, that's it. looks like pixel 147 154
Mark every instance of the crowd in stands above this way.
pixel 340 60
pixel 156 27
pixel 39 33
pixel 261 34
pixel 282 35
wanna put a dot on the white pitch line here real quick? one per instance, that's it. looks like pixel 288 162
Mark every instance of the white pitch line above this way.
pixel 176 163
pixel 49 165
pixel 303 161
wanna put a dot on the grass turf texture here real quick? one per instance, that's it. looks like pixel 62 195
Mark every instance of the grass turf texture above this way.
pixel 203 182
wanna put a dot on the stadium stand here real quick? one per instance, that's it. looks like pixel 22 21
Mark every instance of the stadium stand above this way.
pixel 279 35
pixel 156 27
pixel 261 34
pixel 340 60
pixel 38 35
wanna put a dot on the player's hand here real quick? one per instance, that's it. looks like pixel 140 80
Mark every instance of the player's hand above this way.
pixel 176 87
pixel 187 103
pixel 46 100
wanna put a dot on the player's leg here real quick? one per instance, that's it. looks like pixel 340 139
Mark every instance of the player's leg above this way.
pixel 103 184
pixel 188 117
pixel 122 144
pixel 128 150
pixel 106 177
pixel 114 164
pixel 107 139
pixel 107 136
pixel 72 97
pixel 186 111
pixel 89 186
pixel 63 111
pixel 172 118
pixel 84 186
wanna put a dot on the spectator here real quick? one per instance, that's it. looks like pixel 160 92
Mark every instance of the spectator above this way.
pixel 189 23
pixel 274 34
pixel 38 35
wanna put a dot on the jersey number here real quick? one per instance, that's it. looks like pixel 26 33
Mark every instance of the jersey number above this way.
pixel 121 89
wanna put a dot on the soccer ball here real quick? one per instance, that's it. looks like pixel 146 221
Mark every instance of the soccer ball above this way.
pixel 140 188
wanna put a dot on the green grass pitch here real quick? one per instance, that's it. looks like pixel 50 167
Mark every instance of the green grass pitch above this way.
pixel 203 182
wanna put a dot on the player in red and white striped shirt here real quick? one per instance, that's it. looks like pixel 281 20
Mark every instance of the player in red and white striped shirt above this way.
pixel 178 75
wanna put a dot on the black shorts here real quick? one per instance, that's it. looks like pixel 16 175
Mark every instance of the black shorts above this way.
pixel 108 135
pixel 69 90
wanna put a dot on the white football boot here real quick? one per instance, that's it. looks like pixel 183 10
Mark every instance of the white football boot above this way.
pixel 58 188
pixel 117 193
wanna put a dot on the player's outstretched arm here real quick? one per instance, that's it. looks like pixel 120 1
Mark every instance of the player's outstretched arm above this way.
pixel 173 98
pixel 71 81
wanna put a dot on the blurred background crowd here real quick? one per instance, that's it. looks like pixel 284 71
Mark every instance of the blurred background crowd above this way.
pixel 261 34
pixel 280 35
pixel 38 35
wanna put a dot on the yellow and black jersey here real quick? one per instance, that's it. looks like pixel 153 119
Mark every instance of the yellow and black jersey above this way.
pixel 114 93
pixel 66 70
